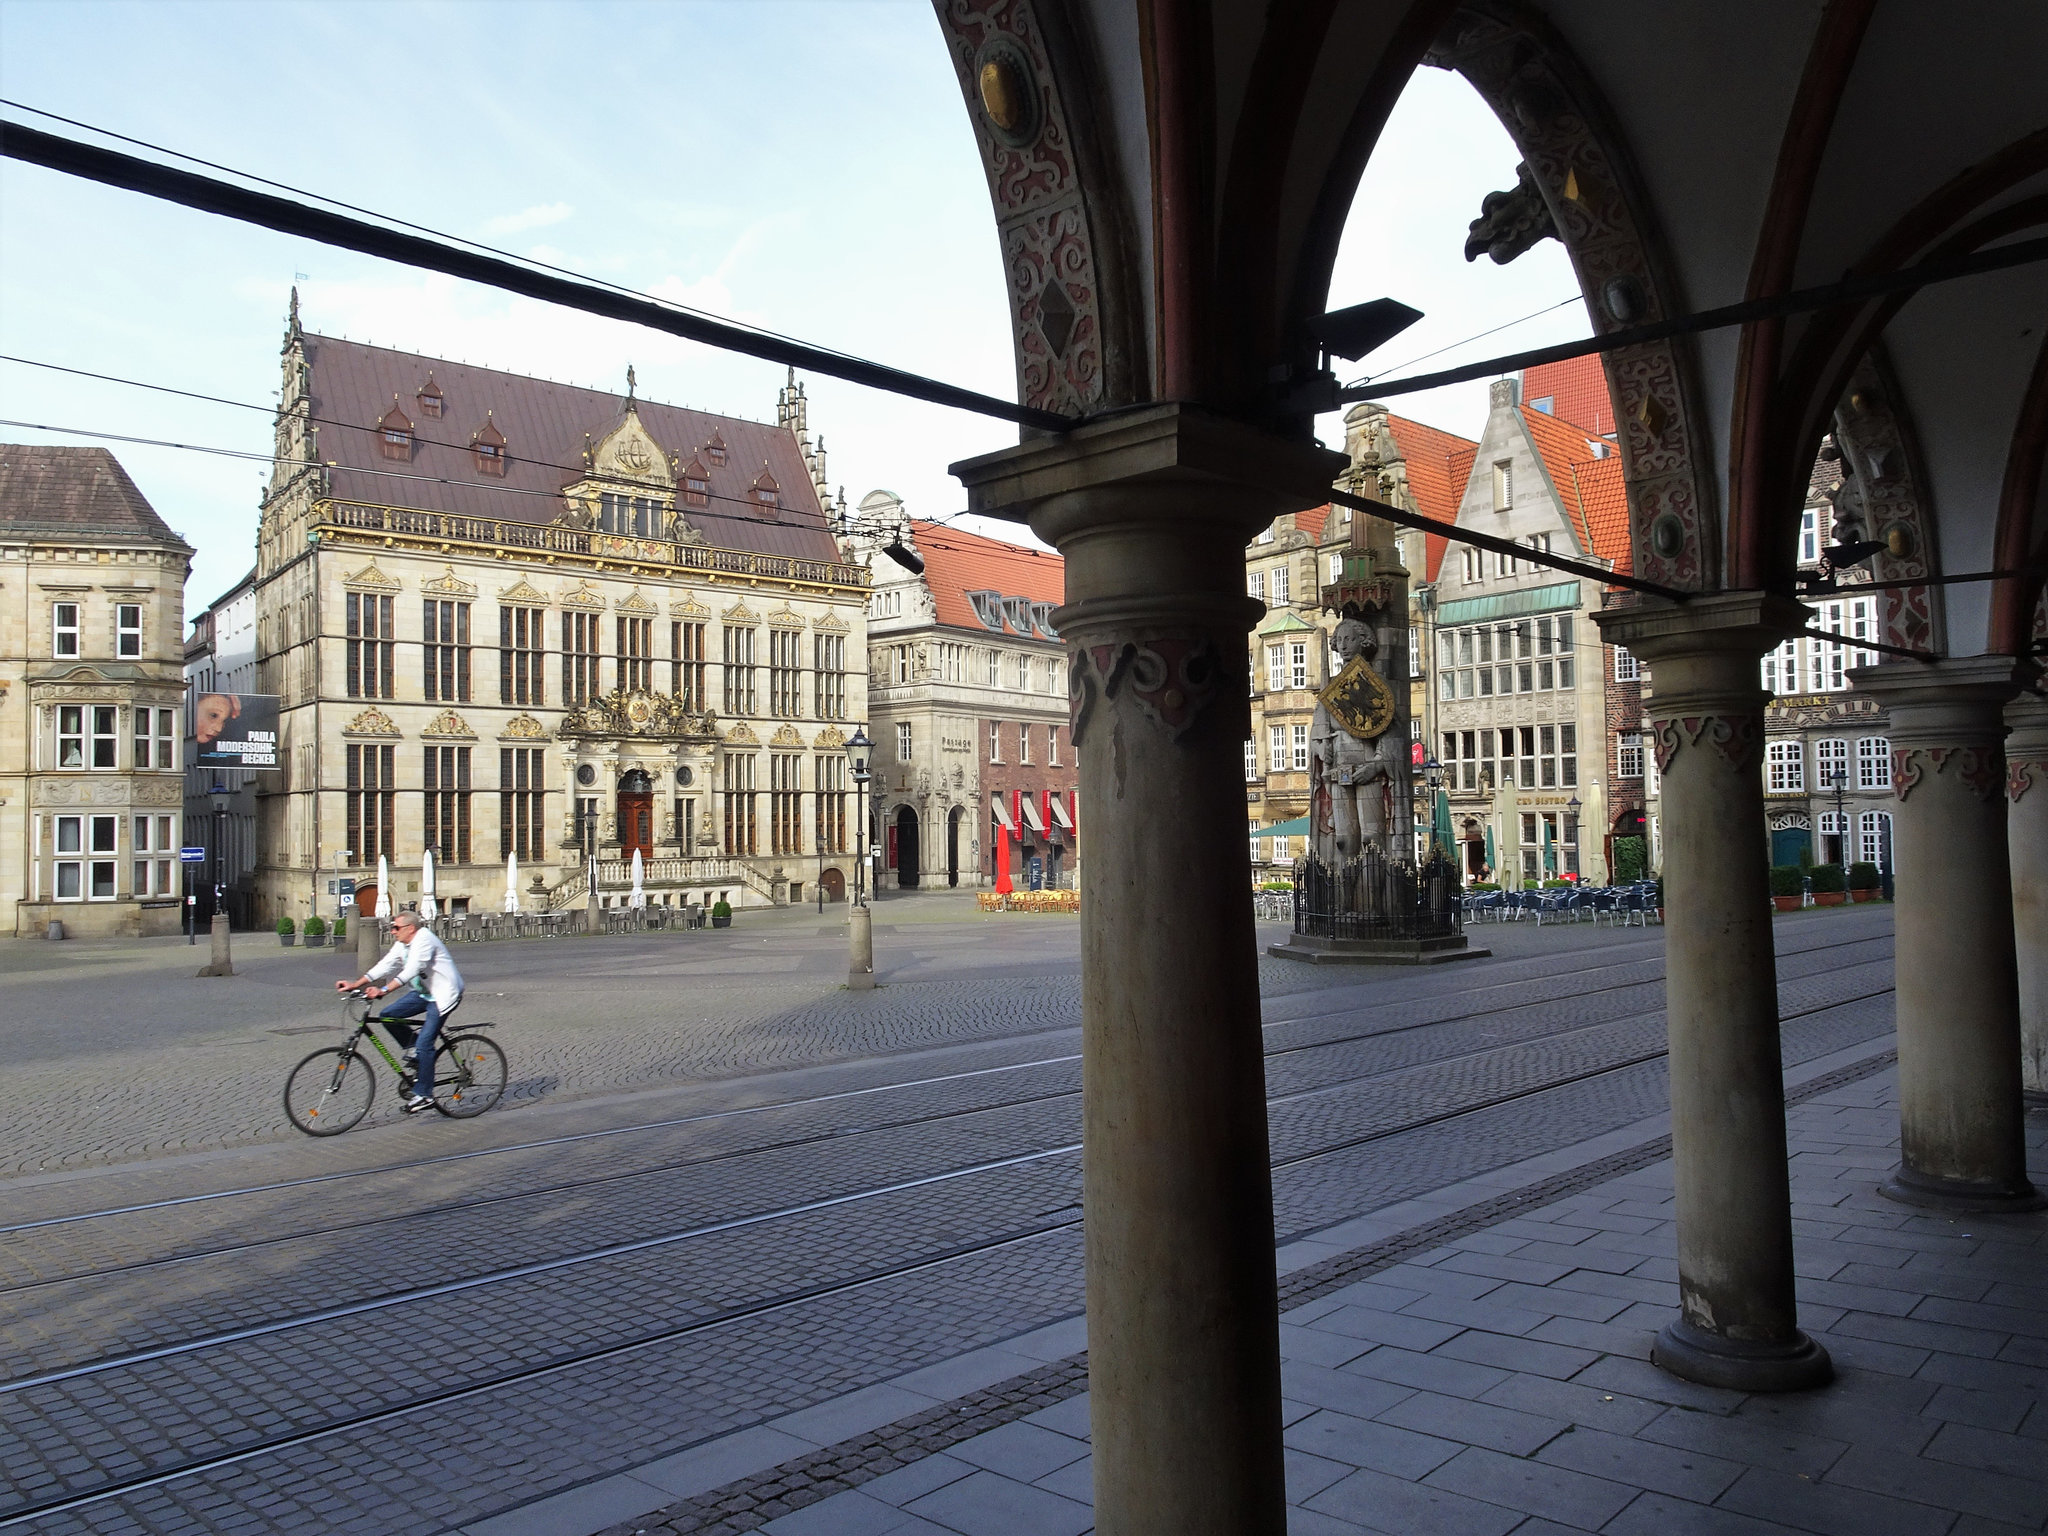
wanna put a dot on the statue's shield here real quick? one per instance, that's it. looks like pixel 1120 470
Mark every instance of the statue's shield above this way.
pixel 1359 700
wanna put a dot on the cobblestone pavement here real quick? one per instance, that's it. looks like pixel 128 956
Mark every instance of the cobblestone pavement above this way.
pixel 760 1194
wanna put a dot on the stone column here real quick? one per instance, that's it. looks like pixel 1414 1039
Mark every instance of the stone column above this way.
pixel 1152 511
pixel 1961 1120
pixel 1738 1321
pixel 2026 828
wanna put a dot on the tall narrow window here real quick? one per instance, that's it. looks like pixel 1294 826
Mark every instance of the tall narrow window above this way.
pixel 1299 736
pixel 1297 664
pixel 828 654
pixel 1628 755
pixel 741 832
pixel 1503 485
pixel 371 802
pixel 785 673
pixel 1052 746
pixel 785 802
pixel 903 741
pixel 1626 668
pixel 447 803
pixel 1251 762
pixel 579 658
pixel 371 651
pixel 522 656
pixel 128 630
pixel 1831 761
pixel 1023 743
pixel 70 736
pixel 522 802
pixel 106 736
pixel 739 670
pixel 1282 584
pixel 1874 763
pixel 686 664
pixel 831 772
pixel 64 629
pixel 995 741
pixel 636 654
pixel 1276 749
pixel 1786 764
pixel 445 628
pixel 1276 668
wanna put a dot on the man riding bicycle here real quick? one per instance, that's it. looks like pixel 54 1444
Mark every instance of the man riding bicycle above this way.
pixel 420 962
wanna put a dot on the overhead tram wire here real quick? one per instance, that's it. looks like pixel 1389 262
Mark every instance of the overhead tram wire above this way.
pixel 1506 325
pixel 208 195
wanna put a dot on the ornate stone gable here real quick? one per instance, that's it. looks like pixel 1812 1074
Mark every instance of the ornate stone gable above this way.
pixel 371 722
pixel 523 727
pixel 448 584
pixel 786 736
pixel 832 624
pixel 785 617
pixel 740 613
pixel 583 595
pixel 689 608
pixel 829 739
pixel 630 453
pixel 740 735
pixel 633 602
pixel 658 715
pixel 448 726
pixel 369 579
pixel 524 593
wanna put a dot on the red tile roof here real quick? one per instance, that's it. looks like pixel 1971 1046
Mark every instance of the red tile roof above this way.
pixel 1566 451
pixel 957 562
pixel 545 425
pixel 1439 466
pixel 1602 497
pixel 1577 391
pixel 1313 521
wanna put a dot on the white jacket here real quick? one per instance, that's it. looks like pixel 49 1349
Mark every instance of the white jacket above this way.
pixel 427 959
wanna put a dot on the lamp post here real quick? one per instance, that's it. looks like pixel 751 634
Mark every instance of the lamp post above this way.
pixel 221 963
pixel 1838 781
pixel 1433 776
pixel 860 964
pixel 1571 841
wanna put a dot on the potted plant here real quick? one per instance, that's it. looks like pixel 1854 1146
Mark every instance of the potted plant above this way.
pixel 340 931
pixel 316 932
pixel 1830 888
pixel 721 914
pixel 287 932
pixel 1865 882
pixel 1788 884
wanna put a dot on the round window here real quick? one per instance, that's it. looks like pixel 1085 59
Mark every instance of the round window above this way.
pixel 685 777
pixel 585 775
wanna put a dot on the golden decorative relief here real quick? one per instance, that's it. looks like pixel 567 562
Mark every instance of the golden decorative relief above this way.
pixel 740 613
pixel 448 584
pixel 523 593
pixel 741 736
pixel 522 728
pixel 371 722
pixel 786 736
pixel 371 578
pixel 633 602
pixel 583 595
pixel 449 723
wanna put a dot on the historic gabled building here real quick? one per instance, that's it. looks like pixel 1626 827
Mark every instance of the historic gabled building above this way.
pixel 512 617
pixel 92 618
pixel 968 685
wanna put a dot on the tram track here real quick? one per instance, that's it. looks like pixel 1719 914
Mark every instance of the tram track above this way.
pixel 587 1185
pixel 745 1111
pixel 725 1318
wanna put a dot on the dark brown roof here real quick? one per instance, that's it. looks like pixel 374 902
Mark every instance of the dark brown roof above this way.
pixel 545 426
pixel 78 492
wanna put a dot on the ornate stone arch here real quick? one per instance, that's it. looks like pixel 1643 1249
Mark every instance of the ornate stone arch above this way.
pixel 1577 161
pixel 1883 496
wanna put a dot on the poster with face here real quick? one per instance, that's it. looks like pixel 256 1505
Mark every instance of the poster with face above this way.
pixel 235 730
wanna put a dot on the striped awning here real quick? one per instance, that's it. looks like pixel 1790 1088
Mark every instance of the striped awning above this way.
pixel 1059 814
pixel 1002 813
pixel 1031 817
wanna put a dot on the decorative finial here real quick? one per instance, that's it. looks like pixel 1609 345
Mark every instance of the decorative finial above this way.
pixel 631 385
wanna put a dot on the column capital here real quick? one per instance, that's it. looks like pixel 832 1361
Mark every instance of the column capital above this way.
pixel 1742 624
pixel 2026 747
pixel 1940 703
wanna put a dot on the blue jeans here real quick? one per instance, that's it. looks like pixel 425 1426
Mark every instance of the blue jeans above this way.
pixel 423 1047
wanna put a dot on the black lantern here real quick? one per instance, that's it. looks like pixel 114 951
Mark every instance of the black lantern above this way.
pixel 857 750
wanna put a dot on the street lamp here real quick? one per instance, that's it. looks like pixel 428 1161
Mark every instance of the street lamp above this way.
pixel 1571 827
pixel 858 748
pixel 1839 782
pixel 1433 776
pixel 219 795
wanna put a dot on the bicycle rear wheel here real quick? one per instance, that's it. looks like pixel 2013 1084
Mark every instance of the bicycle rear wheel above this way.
pixel 329 1091
pixel 469 1076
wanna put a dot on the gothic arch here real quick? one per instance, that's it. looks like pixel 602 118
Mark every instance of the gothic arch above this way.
pixel 1884 496
pixel 2019 607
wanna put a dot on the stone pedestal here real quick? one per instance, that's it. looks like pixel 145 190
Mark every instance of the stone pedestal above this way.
pixel 2026 832
pixel 860 962
pixel 1961 1119
pixel 222 962
pixel 1738 1321
pixel 1152 511
pixel 370 944
pixel 1315 950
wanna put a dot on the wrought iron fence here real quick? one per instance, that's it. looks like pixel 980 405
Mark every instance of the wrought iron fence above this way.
pixel 1377 896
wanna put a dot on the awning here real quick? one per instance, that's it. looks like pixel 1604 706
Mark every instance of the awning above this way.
pixel 1295 828
pixel 1508 605
pixel 1002 813
pixel 1059 814
pixel 1031 817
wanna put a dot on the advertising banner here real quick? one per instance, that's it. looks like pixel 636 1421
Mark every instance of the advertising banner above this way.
pixel 235 730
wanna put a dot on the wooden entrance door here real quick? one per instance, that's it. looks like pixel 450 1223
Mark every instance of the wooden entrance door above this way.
pixel 636 825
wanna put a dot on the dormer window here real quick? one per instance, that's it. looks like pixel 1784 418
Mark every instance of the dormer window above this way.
pixel 988 607
pixel 1018 611
pixel 695 481
pixel 1041 617
pixel 394 433
pixel 715 449
pixel 430 399
pixel 489 448
pixel 764 490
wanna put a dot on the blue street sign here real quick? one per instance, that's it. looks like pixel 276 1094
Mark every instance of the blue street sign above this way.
pixel 192 855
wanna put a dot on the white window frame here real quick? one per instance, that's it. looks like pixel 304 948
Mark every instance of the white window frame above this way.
pixel 1503 484
pixel 1255 584
pixel 995 740
pixel 71 728
pixel 106 727
pixel 1052 746
pixel 1276 749
pixel 1283 584
pixel 1870 827
pixel 1626 668
pixel 1829 753
pixel 995 668
pixel 1276 667
pixel 1300 743
pixel 1628 755
pixel 1251 762
pixel 904 741
pixel 1785 767
pixel 1297 664
pixel 1475 567
pixel 66 635
pixel 127 632
pixel 1873 762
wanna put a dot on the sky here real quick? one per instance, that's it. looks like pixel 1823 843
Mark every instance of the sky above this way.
pixel 805 167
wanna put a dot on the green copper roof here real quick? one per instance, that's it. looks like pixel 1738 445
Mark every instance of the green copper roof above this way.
pixel 1284 621
pixel 1508 605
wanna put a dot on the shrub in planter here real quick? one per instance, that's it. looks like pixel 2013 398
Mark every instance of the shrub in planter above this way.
pixel 340 929
pixel 721 914
pixel 1788 885
pixel 287 931
pixel 315 931
pixel 1865 882
pixel 1482 885
pixel 1557 885
pixel 1830 887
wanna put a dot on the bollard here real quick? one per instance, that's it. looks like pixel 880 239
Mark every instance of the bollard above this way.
pixel 369 943
pixel 860 970
pixel 55 930
pixel 222 964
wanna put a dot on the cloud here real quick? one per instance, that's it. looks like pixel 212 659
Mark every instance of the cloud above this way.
pixel 540 216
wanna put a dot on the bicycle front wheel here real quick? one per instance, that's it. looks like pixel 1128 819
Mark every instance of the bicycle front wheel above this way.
pixel 469 1076
pixel 329 1091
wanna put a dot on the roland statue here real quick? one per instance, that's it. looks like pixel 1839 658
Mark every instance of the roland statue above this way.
pixel 1358 760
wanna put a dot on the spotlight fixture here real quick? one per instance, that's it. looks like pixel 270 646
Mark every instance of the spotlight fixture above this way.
pixel 904 556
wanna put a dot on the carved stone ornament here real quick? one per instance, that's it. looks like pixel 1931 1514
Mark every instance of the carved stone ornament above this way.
pixel 740 613
pixel 369 579
pixel 158 792
pixel 1881 498
pixel 583 595
pixel 1905 770
pixel 371 722
pixel 523 728
pixel 449 725
pixel 623 713
pixel 742 735
pixel 1172 678
pixel 634 603
pixel 1981 770
pixel 1510 222
pixel 448 584
pixel 830 739
pixel 524 594
pixel 786 736
pixel 832 624
pixel 688 608
pixel 2022 774
pixel 785 617
pixel 1738 738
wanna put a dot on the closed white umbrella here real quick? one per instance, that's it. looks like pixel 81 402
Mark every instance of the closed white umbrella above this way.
pixel 511 882
pixel 383 888
pixel 636 898
pixel 427 907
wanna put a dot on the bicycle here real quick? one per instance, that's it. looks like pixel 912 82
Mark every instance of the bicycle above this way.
pixel 332 1089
